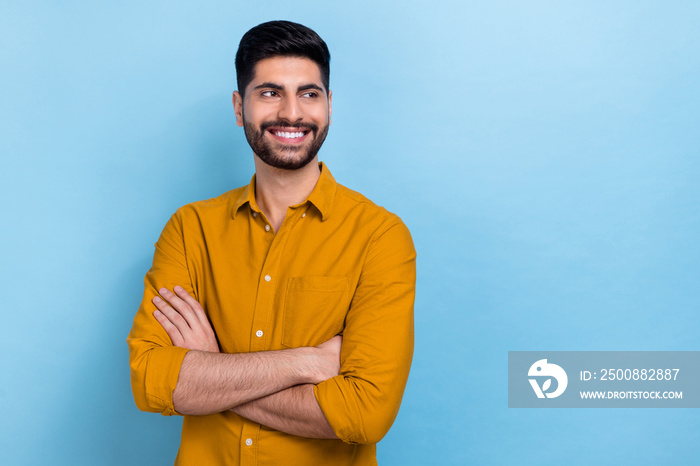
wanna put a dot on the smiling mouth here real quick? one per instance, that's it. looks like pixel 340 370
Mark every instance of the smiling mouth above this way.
pixel 289 137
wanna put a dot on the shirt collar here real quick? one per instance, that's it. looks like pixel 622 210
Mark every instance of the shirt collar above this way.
pixel 321 197
pixel 247 196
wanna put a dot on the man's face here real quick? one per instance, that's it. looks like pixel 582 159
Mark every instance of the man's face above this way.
pixel 286 111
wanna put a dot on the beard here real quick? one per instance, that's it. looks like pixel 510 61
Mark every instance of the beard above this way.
pixel 284 156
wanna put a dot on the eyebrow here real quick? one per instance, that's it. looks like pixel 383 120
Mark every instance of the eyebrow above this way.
pixel 306 87
pixel 279 87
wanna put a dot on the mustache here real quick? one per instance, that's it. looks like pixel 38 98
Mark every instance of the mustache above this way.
pixel 285 124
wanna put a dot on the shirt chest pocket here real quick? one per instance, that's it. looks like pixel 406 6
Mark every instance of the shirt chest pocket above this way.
pixel 314 310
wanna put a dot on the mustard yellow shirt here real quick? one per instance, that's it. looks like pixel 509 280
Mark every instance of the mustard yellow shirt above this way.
pixel 338 264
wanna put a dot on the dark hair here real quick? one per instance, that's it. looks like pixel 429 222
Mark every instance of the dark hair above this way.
pixel 280 38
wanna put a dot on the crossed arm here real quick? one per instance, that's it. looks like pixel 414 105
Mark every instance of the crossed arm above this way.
pixel 360 403
pixel 273 388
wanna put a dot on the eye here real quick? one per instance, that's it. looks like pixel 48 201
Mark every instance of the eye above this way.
pixel 269 93
pixel 310 94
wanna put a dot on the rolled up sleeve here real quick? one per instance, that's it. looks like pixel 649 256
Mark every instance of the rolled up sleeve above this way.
pixel 362 402
pixel 155 362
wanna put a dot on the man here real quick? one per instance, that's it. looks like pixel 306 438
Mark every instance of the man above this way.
pixel 239 326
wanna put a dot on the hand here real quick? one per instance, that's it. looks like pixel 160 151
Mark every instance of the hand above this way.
pixel 329 358
pixel 184 320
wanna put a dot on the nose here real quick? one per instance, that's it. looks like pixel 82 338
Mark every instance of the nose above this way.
pixel 289 109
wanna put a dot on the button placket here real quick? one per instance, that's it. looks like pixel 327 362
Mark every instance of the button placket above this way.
pixel 260 336
pixel 250 436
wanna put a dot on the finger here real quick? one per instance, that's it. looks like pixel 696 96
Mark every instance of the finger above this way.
pixel 170 329
pixel 201 330
pixel 172 315
pixel 179 305
pixel 197 309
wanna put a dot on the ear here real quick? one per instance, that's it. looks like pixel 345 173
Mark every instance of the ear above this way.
pixel 330 106
pixel 238 107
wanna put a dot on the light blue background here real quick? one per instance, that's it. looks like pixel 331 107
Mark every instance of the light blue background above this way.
pixel 543 153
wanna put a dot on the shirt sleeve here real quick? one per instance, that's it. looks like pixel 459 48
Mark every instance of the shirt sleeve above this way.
pixel 155 362
pixel 362 402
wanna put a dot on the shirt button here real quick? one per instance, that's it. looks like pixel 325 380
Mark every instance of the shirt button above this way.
pixel 259 333
pixel 268 278
pixel 267 227
pixel 255 214
pixel 303 215
pixel 249 441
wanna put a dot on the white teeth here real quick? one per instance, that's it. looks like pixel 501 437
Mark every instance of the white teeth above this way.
pixel 287 135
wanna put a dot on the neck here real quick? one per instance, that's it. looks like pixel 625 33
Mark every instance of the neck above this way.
pixel 277 189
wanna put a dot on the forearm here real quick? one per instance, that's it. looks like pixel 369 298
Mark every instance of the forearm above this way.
pixel 294 411
pixel 214 382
